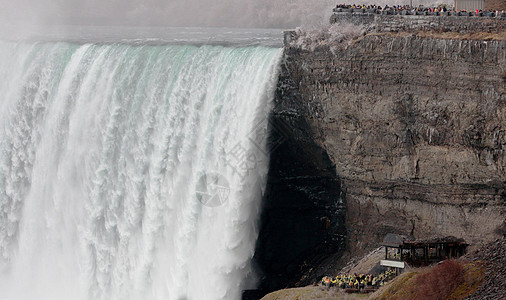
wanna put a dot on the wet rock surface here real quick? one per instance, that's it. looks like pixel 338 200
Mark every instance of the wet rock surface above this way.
pixel 302 220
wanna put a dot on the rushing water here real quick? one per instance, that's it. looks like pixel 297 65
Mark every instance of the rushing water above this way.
pixel 103 151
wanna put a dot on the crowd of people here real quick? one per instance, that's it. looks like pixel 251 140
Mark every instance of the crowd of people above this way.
pixel 414 10
pixel 358 281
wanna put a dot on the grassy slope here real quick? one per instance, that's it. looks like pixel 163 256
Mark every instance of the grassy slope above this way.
pixel 454 279
pixel 312 292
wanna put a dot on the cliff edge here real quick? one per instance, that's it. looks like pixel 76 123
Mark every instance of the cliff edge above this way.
pixel 414 124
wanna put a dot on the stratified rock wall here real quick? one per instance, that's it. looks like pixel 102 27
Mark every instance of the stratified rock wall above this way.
pixel 416 128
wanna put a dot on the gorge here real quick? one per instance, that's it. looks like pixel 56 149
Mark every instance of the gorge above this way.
pixel 108 146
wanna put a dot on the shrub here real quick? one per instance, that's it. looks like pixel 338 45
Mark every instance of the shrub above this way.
pixel 440 281
pixel 474 275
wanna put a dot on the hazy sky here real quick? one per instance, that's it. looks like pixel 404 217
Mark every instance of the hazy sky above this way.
pixel 228 13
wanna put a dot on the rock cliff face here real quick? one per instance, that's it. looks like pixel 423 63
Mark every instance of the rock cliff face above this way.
pixel 415 130
pixel 303 217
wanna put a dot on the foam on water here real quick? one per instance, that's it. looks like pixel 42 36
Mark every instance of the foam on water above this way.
pixel 102 148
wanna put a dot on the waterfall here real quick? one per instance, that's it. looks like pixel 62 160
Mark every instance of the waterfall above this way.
pixel 131 171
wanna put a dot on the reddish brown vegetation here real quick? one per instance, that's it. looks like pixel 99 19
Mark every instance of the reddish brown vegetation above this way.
pixel 441 281
pixel 451 279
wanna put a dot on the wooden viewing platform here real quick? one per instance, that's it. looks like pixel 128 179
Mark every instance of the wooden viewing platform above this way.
pixel 400 250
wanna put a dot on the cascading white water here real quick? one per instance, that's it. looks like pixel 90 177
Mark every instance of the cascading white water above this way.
pixel 102 153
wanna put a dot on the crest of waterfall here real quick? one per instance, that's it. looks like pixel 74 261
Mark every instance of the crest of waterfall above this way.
pixel 103 151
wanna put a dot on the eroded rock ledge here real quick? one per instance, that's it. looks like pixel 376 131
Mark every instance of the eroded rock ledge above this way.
pixel 415 127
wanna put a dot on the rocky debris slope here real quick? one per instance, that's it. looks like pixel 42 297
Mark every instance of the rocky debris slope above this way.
pixel 364 264
pixel 494 257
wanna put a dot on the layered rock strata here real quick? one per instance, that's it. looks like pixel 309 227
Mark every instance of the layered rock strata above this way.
pixel 397 131
pixel 416 128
